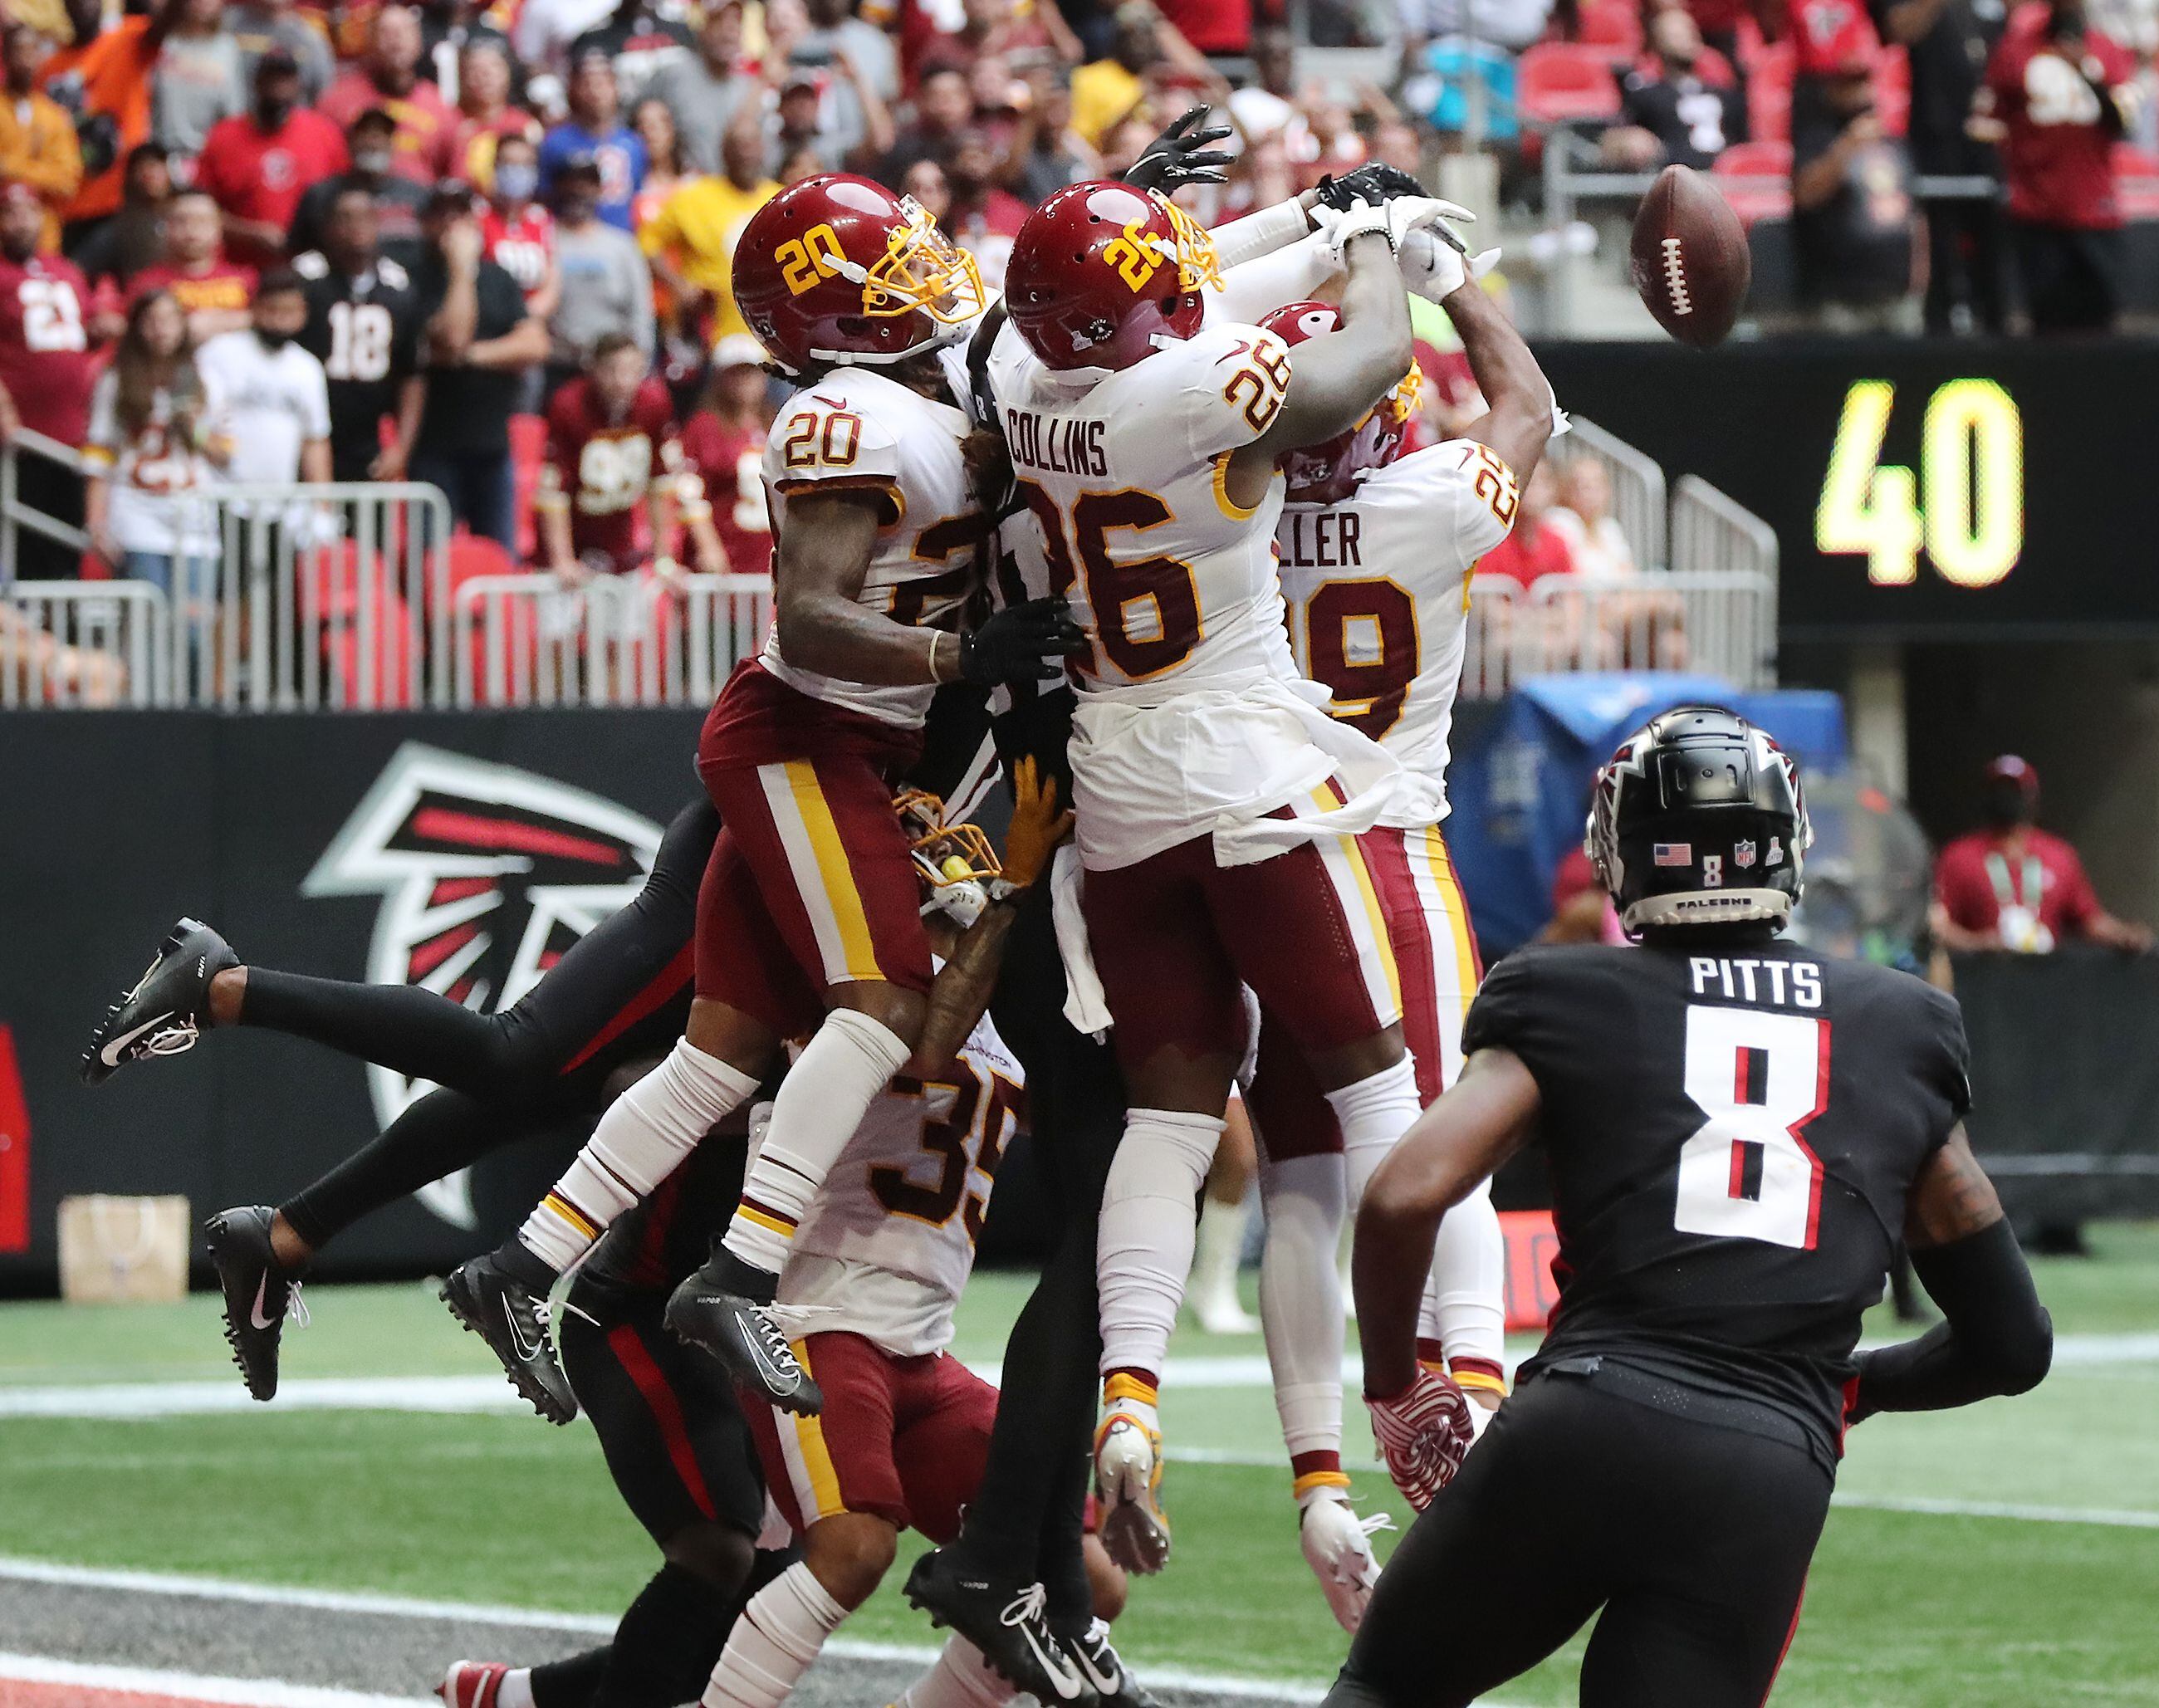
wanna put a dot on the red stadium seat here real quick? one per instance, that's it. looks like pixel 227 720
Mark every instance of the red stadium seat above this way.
pixel 528 450
pixel 1567 83
pixel 1616 28
pixel 335 598
pixel 1757 160
pixel 2136 181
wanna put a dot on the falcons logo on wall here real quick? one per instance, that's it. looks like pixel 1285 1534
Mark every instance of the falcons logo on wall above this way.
pixel 487 874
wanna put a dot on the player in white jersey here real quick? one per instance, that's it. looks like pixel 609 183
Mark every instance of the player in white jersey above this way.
pixel 1218 802
pixel 872 1276
pixel 1376 552
pixel 806 919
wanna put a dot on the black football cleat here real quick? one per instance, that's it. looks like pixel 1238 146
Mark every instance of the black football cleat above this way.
pixel 513 1320
pixel 1006 1621
pixel 259 1293
pixel 719 1309
pixel 1104 1669
pixel 165 1012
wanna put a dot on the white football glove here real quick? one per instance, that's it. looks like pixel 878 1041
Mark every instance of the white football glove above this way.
pixel 1337 1547
pixel 1337 225
pixel 1423 1432
pixel 1408 213
pixel 1434 265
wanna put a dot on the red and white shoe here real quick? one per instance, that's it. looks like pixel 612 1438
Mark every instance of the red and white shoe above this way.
pixel 472 1683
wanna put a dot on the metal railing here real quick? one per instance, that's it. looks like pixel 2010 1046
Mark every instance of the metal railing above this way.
pixel 642 640
pixel 1638 485
pixel 1715 537
pixel 1711 621
pixel 15 516
pixel 84 644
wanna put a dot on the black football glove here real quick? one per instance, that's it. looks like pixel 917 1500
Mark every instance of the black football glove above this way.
pixel 1027 643
pixel 1180 156
pixel 1375 181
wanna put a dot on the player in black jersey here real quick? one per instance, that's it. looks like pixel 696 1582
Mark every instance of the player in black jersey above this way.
pixel 1738 1134
pixel 617 995
pixel 363 326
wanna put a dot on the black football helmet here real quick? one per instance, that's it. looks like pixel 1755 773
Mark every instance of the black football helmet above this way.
pixel 1699 820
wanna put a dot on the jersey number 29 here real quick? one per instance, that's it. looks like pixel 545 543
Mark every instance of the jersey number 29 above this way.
pixel 1747 1173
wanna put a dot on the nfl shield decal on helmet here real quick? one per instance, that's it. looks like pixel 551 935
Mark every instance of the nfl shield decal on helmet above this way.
pixel 1742 854
pixel 487 873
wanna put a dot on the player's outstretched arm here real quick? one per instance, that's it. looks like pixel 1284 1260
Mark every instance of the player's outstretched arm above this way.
pixel 1485 1116
pixel 1518 419
pixel 1337 378
pixel 963 986
pixel 1995 1337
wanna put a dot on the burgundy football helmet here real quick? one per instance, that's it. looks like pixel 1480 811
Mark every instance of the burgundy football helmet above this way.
pixel 837 269
pixel 1099 270
pixel 1326 472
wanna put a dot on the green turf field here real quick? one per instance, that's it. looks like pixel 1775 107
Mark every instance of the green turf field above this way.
pixel 1944 1606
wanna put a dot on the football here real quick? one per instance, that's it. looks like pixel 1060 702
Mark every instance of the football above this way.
pixel 1688 258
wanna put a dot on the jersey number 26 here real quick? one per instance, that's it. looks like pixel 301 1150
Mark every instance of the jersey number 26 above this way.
pixel 1747 1173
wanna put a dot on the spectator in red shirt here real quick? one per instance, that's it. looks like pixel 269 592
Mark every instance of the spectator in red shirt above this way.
pixel 45 371
pixel 517 233
pixel 214 291
pixel 2011 886
pixel 611 444
pixel 2062 94
pixel 1534 549
pixel 723 459
pixel 387 76
pixel 257 165
pixel 981 218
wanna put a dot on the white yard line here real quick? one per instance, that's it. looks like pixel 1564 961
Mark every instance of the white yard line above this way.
pixel 162 1583
pixel 246 1693
pixel 482 1393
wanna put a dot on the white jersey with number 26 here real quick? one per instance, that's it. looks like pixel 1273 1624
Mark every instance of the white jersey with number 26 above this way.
pixel 1193 719
pixel 1378 588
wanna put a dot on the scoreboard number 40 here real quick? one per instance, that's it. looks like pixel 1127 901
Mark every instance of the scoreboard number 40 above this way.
pixel 1965 508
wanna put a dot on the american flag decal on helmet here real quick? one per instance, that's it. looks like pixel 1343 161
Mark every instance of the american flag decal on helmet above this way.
pixel 1672 853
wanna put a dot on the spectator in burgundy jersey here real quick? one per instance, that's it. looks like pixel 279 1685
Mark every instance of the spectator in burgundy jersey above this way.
pixel 611 444
pixel 723 461
pixel 214 291
pixel 257 165
pixel 388 76
pixel 2011 886
pixel 2061 93
pixel 46 370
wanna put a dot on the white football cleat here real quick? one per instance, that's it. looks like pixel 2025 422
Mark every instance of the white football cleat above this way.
pixel 472 1683
pixel 1337 1547
pixel 1135 1530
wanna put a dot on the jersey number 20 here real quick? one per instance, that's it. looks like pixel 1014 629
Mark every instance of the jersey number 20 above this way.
pixel 1746 1174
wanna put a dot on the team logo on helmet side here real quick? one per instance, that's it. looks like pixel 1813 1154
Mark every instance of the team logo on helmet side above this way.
pixel 487 874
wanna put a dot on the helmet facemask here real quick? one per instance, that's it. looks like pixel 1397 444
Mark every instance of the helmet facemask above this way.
pixel 954 864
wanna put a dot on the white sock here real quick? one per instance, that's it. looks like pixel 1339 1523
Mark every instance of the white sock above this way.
pixel 1373 1112
pixel 1143 1250
pixel 1465 1307
pixel 774 1642
pixel 1301 1310
pixel 961 1678
pixel 516 1689
pixel 822 1102
pixel 643 1137
pixel 1216 1252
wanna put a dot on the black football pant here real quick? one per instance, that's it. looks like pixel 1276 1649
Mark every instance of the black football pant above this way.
pixel 1027 1519
pixel 681 1456
pixel 2072 278
pixel 1687 1541
pixel 628 969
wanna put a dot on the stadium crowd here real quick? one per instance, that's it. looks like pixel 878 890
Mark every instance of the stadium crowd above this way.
pixel 253 239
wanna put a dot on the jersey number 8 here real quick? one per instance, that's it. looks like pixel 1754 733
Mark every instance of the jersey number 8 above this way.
pixel 1746 1174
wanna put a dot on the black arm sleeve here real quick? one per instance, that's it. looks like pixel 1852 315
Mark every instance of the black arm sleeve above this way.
pixel 1995 1337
